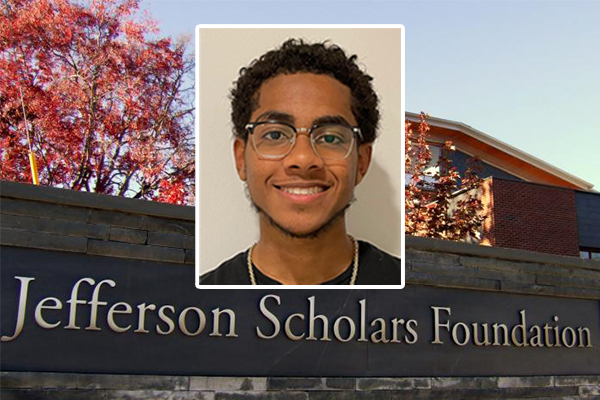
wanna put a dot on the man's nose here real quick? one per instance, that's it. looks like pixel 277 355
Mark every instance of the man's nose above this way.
pixel 302 156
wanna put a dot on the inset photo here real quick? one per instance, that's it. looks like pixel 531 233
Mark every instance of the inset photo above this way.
pixel 300 156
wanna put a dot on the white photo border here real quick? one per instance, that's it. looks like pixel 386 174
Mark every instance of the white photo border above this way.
pixel 198 213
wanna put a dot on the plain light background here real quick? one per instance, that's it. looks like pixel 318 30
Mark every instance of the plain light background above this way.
pixel 227 224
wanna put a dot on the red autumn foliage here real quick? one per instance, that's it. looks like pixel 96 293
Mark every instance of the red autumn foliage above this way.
pixel 443 205
pixel 109 107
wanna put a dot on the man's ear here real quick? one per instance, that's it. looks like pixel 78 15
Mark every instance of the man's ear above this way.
pixel 364 160
pixel 239 147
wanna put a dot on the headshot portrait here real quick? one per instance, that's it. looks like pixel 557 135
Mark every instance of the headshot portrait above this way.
pixel 299 156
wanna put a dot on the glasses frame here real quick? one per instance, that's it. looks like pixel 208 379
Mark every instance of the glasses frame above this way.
pixel 355 130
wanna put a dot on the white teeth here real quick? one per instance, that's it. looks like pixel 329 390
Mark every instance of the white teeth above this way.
pixel 303 191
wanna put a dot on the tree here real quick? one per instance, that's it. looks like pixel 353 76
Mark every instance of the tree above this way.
pixel 443 205
pixel 108 108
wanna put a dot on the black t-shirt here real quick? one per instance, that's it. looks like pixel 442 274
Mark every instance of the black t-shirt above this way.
pixel 375 267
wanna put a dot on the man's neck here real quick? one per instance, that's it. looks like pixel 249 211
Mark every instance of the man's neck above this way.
pixel 294 261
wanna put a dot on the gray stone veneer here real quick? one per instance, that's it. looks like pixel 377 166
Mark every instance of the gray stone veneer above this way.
pixel 63 220
pixel 32 385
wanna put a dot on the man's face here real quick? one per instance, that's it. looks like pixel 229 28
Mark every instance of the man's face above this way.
pixel 302 193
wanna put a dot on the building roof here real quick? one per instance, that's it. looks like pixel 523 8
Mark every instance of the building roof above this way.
pixel 500 154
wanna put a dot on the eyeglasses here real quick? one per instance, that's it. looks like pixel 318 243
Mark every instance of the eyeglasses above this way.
pixel 272 139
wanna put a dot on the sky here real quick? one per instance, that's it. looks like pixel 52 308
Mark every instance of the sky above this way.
pixel 524 72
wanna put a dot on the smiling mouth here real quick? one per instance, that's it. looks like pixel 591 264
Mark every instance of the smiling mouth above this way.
pixel 302 191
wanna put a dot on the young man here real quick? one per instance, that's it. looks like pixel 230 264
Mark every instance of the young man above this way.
pixel 305 117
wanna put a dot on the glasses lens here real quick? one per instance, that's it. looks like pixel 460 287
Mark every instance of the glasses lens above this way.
pixel 333 142
pixel 272 140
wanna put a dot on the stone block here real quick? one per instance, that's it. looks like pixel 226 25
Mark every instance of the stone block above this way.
pixel 127 235
pixel 393 383
pixel 525 381
pixel 586 273
pixel 451 281
pixel 349 395
pixel 583 293
pixel 132 382
pixel 43 210
pixel 464 383
pixel 166 239
pixel 116 218
pixel 591 264
pixel 261 396
pixel 37 380
pixel 55 226
pixel 190 257
pixel 21 394
pixel 547 269
pixel 141 252
pixel 491 263
pixel 501 275
pixel 227 384
pixel 520 287
pixel 448 269
pixel 169 225
pixel 431 257
pixel 157 394
pixel 410 395
pixel 560 392
pixel 589 391
pixel 48 241
pixel 577 397
pixel 576 380
pixel 340 383
pixel 572 281
pixel 295 383
pixel 507 393
pixel 96 231
pixel 94 200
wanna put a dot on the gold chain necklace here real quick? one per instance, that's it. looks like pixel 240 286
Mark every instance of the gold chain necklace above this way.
pixel 354 266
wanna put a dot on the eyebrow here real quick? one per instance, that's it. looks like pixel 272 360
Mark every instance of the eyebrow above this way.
pixel 288 118
pixel 331 119
pixel 276 116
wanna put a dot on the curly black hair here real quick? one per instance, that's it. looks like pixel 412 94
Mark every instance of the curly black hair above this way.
pixel 296 56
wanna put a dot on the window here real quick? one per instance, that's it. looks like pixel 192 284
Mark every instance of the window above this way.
pixel 589 253
pixel 432 168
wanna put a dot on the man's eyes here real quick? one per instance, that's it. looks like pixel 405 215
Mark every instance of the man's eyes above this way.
pixel 275 135
pixel 330 139
pixel 327 136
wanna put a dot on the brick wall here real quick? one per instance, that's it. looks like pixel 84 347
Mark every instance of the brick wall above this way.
pixel 528 216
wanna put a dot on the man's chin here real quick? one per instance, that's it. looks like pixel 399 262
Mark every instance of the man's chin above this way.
pixel 296 232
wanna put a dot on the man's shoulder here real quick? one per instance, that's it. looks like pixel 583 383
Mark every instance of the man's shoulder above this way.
pixel 231 272
pixel 376 267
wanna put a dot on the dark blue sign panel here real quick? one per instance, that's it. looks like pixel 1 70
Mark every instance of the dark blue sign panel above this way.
pixel 69 312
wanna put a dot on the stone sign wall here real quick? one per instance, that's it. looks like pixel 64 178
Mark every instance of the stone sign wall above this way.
pixel 53 223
